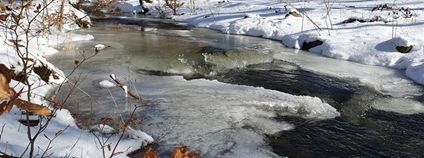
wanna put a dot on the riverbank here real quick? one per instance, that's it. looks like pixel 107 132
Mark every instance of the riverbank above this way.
pixel 367 32
pixel 28 39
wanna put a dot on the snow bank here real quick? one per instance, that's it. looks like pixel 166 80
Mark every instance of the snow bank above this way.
pixel 371 43
pixel 214 117
pixel 72 141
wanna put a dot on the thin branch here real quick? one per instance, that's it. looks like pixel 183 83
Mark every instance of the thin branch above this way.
pixel 126 125
pixel 124 88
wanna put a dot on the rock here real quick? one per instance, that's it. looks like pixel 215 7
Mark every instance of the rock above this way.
pixel 83 23
pixel 404 49
pixel 294 13
pixel 308 45
pixel 250 15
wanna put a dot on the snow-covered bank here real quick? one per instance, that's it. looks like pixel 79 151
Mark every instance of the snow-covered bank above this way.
pixel 372 42
pixel 62 137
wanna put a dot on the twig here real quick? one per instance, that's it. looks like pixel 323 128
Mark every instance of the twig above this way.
pixel 126 125
pixel 125 88
pixel 2 128
pixel 51 140
pixel 6 156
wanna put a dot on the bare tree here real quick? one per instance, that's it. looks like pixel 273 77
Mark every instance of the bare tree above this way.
pixel 174 5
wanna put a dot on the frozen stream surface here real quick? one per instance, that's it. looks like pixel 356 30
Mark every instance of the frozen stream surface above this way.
pixel 237 96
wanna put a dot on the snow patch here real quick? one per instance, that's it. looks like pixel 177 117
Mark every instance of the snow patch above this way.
pixel 399 105
pixel 106 84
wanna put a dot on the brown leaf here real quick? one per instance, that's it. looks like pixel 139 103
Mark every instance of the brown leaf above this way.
pixel 10 1
pixel 5 78
pixel 182 152
pixel 2 6
pixel 151 154
pixel 28 5
pixel 6 72
pixel 108 147
pixel 16 18
pixel 58 132
pixel 4 17
pixel 5 108
pixel 76 62
pixel 105 120
pixel 34 108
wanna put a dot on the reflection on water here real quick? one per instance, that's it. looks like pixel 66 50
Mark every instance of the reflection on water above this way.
pixel 224 120
pixel 378 134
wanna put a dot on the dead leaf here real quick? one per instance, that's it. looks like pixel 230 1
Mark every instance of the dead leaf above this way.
pixel 6 72
pixel 28 5
pixel 5 91
pixel 10 1
pixel 5 108
pixel 16 18
pixel 58 132
pixel 182 152
pixel 31 107
pixel 2 6
pixel 5 78
pixel 76 62
pixel 151 154
pixel 105 121
pixel 4 17
pixel 108 147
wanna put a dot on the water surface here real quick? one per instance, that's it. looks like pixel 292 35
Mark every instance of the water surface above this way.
pixel 239 96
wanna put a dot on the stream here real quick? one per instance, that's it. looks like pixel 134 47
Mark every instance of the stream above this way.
pixel 238 96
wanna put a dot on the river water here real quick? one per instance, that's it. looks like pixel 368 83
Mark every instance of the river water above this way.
pixel 238 96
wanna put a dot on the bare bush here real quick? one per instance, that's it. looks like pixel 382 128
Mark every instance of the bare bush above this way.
pixel 174 5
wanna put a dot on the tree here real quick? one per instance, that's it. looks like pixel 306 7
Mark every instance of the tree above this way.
pixel 174 5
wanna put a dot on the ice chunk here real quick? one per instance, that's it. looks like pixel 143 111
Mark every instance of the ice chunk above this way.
pixel 99 47
pixel 106 84
pixel 399 105
pixel 137 134
pixel 102 128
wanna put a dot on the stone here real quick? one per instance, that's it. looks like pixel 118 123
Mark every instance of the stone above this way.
pixel 308 45
pixel 404 49
pixel 293 13
pixel 83 23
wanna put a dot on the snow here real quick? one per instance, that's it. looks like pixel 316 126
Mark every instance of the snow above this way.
pixel 399 105
pixel 106 84
pixel 214 117
pixel 73 141
pixel 364 43
pixel 102 128
pixel 99 47
pixel 369 43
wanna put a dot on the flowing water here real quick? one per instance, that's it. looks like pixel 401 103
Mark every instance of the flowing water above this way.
pixel 237 96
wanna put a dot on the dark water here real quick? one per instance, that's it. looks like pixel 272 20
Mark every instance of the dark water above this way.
pixel 378 134
pixel 360 131
pixel 373 133
pixel 364 133
pixel 297 82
